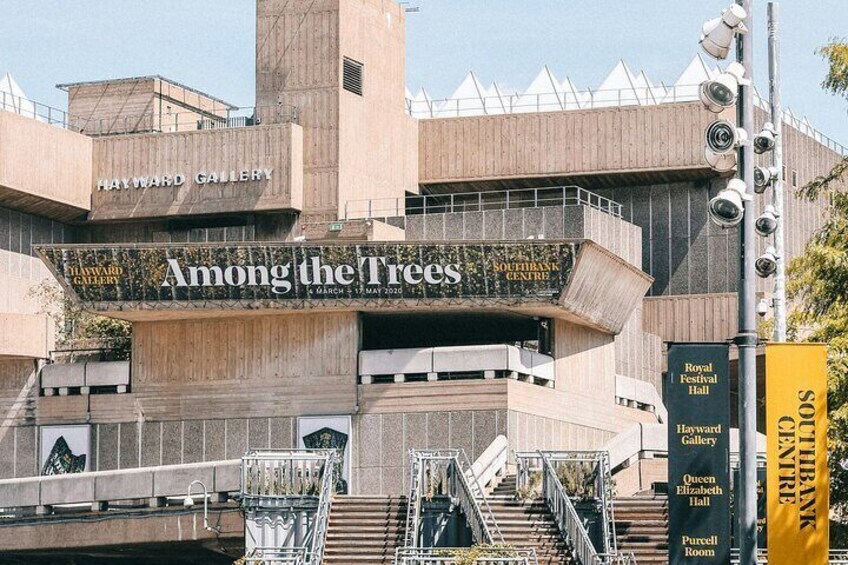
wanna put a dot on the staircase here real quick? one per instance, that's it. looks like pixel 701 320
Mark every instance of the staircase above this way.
pixel 528 524
pixel 365 530
pixel 641 527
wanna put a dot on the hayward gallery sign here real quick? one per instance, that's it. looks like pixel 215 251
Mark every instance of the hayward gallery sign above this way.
pixel 258 272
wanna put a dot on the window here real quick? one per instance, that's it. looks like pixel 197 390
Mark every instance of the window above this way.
pixel 794 178
pixel 352 76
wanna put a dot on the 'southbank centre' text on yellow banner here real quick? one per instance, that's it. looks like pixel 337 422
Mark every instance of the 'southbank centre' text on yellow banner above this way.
pixel 798 483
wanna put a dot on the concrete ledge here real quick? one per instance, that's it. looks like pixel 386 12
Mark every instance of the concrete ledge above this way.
pixel 227 478
pixel 20 495
pixel 101 487
pixel 67 489
pixel 123 485
pixel 174 479
pixel 63 375
pixel 107 373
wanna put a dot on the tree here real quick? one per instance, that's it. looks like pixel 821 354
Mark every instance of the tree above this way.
pixel 818 287
pixel 76 328
pixel 836 82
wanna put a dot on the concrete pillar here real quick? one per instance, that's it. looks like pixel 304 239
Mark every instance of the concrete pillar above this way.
pixel 99 506
pixel 488 374
pixel 156 502
pixel 432 376
pixel 85 390
pixel 43 510
pixel 400 378
pixel 367 379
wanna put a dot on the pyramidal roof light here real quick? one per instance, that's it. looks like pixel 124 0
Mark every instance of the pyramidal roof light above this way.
pixel 14 99
pixel 466 100
pixel 421 105
pixel 572 98
pixel 687 85
pixel 542 95
pixel 617 89
pixel 495 101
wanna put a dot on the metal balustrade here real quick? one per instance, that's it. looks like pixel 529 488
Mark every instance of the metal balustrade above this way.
pixel 274 556
pixel 273 480
pixel 448 473
pixel 546 464
pixel 560 196
pixel 446 556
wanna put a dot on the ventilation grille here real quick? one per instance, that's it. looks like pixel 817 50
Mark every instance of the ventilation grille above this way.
pixel 352 76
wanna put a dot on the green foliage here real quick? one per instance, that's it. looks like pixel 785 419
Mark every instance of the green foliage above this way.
pixel 836 53
pixel 578 479
pixel 470 555
pixel 533 487
pixel 77 328
pixel 836 82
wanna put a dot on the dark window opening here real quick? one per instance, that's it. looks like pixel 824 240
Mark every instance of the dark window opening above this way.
pixel 352 76
pixel 399 331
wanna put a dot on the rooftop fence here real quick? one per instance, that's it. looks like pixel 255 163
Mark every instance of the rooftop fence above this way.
pixel 478 202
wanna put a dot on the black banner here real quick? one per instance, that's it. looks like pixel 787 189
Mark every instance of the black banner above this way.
pixel 762 531
pixel 698 396
pixel 255 273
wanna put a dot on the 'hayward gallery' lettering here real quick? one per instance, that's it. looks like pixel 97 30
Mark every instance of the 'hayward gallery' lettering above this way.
pixel 201 178
pixel 375 271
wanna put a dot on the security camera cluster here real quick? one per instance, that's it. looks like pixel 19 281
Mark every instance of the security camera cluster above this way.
pixel 724 138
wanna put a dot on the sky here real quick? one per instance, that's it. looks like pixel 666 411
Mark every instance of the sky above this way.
pixel 209 44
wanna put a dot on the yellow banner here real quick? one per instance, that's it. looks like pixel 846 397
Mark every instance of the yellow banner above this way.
pixel 796 429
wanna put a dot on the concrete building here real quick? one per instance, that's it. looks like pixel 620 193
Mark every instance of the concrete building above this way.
pixel 586 223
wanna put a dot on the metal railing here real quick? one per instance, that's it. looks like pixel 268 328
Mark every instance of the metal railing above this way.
pixel 586 100
pixel 279 556
pixel 592 481
pixel 150 122
pixel 447 556
pixel 479 202
pixel 448 473
pixel 566 516
pixel 274 479
pixel 835 556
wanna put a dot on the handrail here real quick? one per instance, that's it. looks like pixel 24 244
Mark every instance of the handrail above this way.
pixel 276 474
pixel 562 196
pixel 566 516
pixel 322 517
pixel 448 464
pixel 445 556
pixel 278 556
pixel 478 494
pixel 413 507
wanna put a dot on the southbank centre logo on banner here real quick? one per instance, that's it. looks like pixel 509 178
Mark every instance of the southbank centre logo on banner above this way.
pixel 284 272
pixel 698 392
pixel 796 431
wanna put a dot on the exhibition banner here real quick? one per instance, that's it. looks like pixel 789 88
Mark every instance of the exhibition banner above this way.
pixel 796 430
pixel 258 272
pixel 698 396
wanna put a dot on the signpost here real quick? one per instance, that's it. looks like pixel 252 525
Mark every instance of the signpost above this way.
pixel 698 392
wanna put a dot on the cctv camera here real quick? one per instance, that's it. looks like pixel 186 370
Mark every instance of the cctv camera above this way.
pixel 727 208
pixel 766 224
pixel 720 93
pixel 188 502
pixel 762 308
pixel 717 34
pixel 764 176
pixel 723 137
pixel 764 141
pixel 766 264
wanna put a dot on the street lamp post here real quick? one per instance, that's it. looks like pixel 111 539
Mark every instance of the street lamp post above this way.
pixel 746 340
pixel 777 163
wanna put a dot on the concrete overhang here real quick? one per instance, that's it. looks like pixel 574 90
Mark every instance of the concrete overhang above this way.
pixel 44 169
pixel 24 335
pixel 594 148
pixel 575 280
